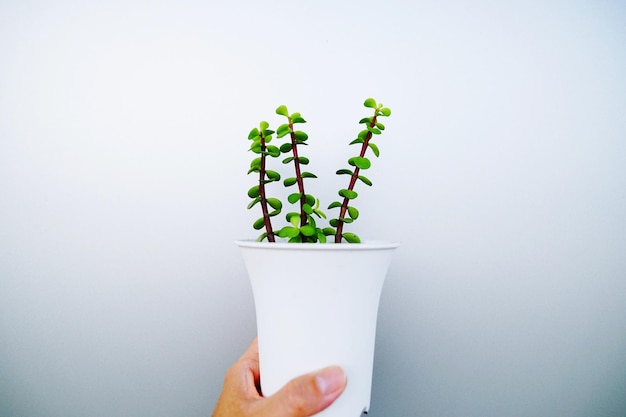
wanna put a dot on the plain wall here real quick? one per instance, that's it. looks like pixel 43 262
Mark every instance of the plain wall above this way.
pixel 123 159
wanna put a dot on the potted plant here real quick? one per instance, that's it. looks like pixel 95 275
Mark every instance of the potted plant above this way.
pixel 316 302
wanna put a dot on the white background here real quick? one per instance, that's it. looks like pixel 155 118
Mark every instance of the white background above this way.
pixel 123 159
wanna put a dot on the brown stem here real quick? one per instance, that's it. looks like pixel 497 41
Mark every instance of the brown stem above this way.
pixel 353 179
pixel 266 216
pixel 299 179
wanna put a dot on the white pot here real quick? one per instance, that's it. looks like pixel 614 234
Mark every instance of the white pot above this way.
pixel 316 305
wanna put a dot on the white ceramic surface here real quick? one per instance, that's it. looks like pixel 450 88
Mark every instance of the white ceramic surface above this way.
pixel 316 306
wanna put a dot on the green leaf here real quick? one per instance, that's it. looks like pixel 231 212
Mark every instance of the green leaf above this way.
pixel 321 236
pixel 255 147
pixel 261 237
pixel 307 209
pixel 344 171
pixel 254 133
pixel 303 160
pixel 353 213
pixel 333 222
pixel 351 238
pixel 308 230
pixel 308 175
pixel 329 231
pixel 290 181
pixel 374 130
pixel 300 135
pixel 363 134
pixel 298 119
pixel 374 149
pixel 288 232
pixel 294 197
pixel 259 223
pixel 363 163
pixel 254 192
pixel 286 147
pixel 370 102
pixel 256 163
pixel 264 125
pixel 272 151
pixel 380 126
pixel 349 194
pixel 360 162
pixel 296 239
pixel 288 159
pixel 334 204
pixel 357 140
pixel 283 130
pixel 272 175
pixel 282 110
pixel 310 220
pixel 310 200
pixel 319 213
pixel 275 203
pixel 345 220
pixel 367 120
pixel 294 220
pixel 365 180
pixel 254 202
pixel 291 215
pixel 385 111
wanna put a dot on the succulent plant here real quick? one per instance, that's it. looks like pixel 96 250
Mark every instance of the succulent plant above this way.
pixel 301 224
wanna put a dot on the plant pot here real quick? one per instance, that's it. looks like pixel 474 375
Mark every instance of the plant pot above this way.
pixel 316 305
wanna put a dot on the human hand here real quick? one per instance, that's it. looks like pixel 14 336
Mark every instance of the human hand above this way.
pixel 303 396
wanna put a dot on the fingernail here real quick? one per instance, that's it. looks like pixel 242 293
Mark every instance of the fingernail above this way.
pixel 330 380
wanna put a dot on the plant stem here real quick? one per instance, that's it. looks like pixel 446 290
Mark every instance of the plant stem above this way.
pixel 300 180
pixel 353 179
pixel 266 217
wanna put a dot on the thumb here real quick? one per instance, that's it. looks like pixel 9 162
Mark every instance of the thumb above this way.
pixel 308 394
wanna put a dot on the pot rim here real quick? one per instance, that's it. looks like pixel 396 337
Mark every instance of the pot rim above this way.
pixel 330 246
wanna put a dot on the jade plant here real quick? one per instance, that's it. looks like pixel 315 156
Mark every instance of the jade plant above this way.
pixel 302 221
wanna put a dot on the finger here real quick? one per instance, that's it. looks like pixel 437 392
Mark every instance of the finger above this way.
pixel 307 394
pixel 250 358
pixel 253 350
pixel 244 374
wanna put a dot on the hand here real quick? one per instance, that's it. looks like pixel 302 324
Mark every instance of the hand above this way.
pixel 301 397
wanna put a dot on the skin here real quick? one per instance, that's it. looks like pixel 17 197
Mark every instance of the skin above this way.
pixel 303 396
